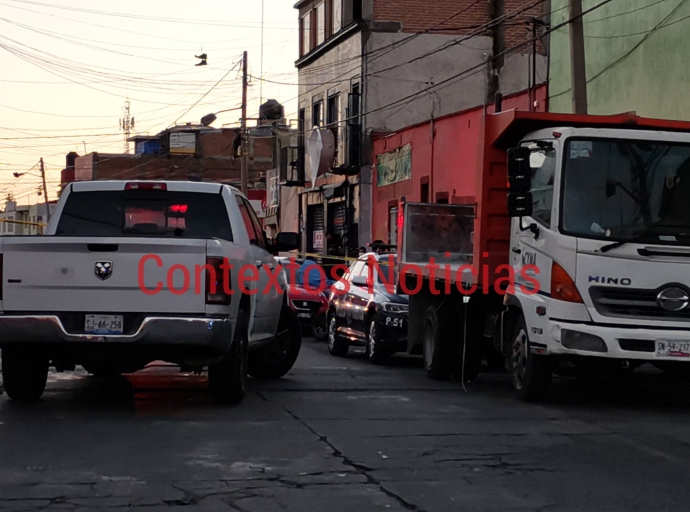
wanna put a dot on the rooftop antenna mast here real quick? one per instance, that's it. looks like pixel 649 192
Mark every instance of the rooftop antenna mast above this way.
pixel 126 125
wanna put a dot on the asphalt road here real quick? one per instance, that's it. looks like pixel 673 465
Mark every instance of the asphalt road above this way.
pixel 342 435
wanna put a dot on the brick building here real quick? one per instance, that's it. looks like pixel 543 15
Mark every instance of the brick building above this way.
pixel 378 66
pixel 189 152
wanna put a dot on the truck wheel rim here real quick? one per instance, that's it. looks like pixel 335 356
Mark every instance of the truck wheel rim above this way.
pixel 428 344
pixel 372 339
pixel 331 332
pixel 519 358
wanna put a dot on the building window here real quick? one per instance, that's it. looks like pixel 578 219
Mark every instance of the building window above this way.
pixel 333 116
pixel 305 28
pixel 336 16
pixel 10 225
pixel 317 113
pixel 320 23
pixel 354 128
pixel 424 193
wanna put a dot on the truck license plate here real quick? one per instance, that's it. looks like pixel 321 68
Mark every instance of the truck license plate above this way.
pixel 673 348
pixel 103 324
pixel 303 315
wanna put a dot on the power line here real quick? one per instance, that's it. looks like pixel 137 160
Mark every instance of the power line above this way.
pixel 184 21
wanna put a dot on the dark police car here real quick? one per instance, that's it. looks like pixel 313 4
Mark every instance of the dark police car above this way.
pixel 367 312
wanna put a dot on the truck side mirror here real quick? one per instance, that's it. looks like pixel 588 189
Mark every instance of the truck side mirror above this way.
pixel 285 242
pixel 520 205
pixel 519 170
pixel 520 182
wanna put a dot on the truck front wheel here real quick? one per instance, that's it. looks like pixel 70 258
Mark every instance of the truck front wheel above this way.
pixel 24 374
pixel 227 380
pixel 531 372
pixel 276 360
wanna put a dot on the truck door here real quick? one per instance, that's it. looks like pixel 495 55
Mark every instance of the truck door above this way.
pixel 266 301
pixel 526 247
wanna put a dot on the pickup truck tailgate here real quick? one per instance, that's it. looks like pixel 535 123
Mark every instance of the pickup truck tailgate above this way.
pixel 53 274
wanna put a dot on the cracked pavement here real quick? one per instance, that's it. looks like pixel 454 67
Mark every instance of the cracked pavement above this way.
pixel 342 435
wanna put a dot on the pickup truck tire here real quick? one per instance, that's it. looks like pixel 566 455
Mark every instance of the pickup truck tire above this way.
pixel 274 361
pixel 438 349
pixel 532 373
pixel 227 380
pixel 24 374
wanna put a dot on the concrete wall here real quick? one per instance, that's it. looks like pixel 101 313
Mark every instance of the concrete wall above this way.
pixel 631 66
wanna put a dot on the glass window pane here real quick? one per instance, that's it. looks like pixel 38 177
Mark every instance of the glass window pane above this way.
pixel 320 23
pixel 337 15
pixel 145 213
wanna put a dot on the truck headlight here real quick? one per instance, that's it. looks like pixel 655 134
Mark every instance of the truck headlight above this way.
pixel 394 307
pixel 576 340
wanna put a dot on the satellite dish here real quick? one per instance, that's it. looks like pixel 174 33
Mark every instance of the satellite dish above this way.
pixel 321 151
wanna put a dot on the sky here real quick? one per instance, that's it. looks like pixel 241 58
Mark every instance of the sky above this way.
pixel 67 67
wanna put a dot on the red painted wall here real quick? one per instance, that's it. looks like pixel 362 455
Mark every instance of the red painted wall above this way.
pixel 453 169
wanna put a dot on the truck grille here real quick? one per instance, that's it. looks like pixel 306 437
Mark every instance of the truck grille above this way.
pixel 636 345
pixel 307 305
pixel 631 303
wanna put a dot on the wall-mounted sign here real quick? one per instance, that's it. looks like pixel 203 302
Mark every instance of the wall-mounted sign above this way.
pixel 394 166
pixel 318 240
pixel 273 192
pixel 257 204
pixel 182 143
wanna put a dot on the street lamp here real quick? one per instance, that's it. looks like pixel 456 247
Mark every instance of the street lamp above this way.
pixel 208 119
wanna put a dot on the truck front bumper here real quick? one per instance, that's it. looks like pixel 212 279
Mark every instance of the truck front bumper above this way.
pixel 615 342
pixel 210 334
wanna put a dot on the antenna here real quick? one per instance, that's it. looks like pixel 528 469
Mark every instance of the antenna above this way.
pixel 126 125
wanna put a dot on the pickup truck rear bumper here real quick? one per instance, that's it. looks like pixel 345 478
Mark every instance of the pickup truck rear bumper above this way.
pixel 212 334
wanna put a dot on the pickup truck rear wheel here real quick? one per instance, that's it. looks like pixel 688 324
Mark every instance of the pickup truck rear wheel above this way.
pixel 24 374
pixel 275 361
pixel 227 380
pixel 532 373
pixel 438 357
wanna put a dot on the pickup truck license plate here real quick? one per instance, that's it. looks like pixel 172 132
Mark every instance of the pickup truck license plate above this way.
pixel 103 324
pixel 673 348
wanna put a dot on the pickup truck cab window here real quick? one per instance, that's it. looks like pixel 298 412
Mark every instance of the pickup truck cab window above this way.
pixel 251 223
pixel 145 213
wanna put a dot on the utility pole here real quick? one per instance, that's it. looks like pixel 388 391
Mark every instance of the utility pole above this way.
pixel 45 191
pixel 577 58
pixel 245 153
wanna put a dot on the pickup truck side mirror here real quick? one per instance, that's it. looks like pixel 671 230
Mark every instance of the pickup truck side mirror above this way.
pixel 520 182
pixel 285 242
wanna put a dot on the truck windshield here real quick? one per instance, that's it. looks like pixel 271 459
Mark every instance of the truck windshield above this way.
pixel 145 213
pixel 627 189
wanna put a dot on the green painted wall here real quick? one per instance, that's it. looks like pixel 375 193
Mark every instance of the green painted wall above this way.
pixel 637 54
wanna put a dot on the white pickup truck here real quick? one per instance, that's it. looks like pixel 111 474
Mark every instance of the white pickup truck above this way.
pixel 131 272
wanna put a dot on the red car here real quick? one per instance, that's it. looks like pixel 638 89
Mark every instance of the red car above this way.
pixel 309 306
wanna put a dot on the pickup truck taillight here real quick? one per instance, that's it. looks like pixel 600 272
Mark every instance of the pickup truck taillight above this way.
pixel 215 293
pixel 146 186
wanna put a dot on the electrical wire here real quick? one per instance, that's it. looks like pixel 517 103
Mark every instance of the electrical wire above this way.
pixel 620 59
